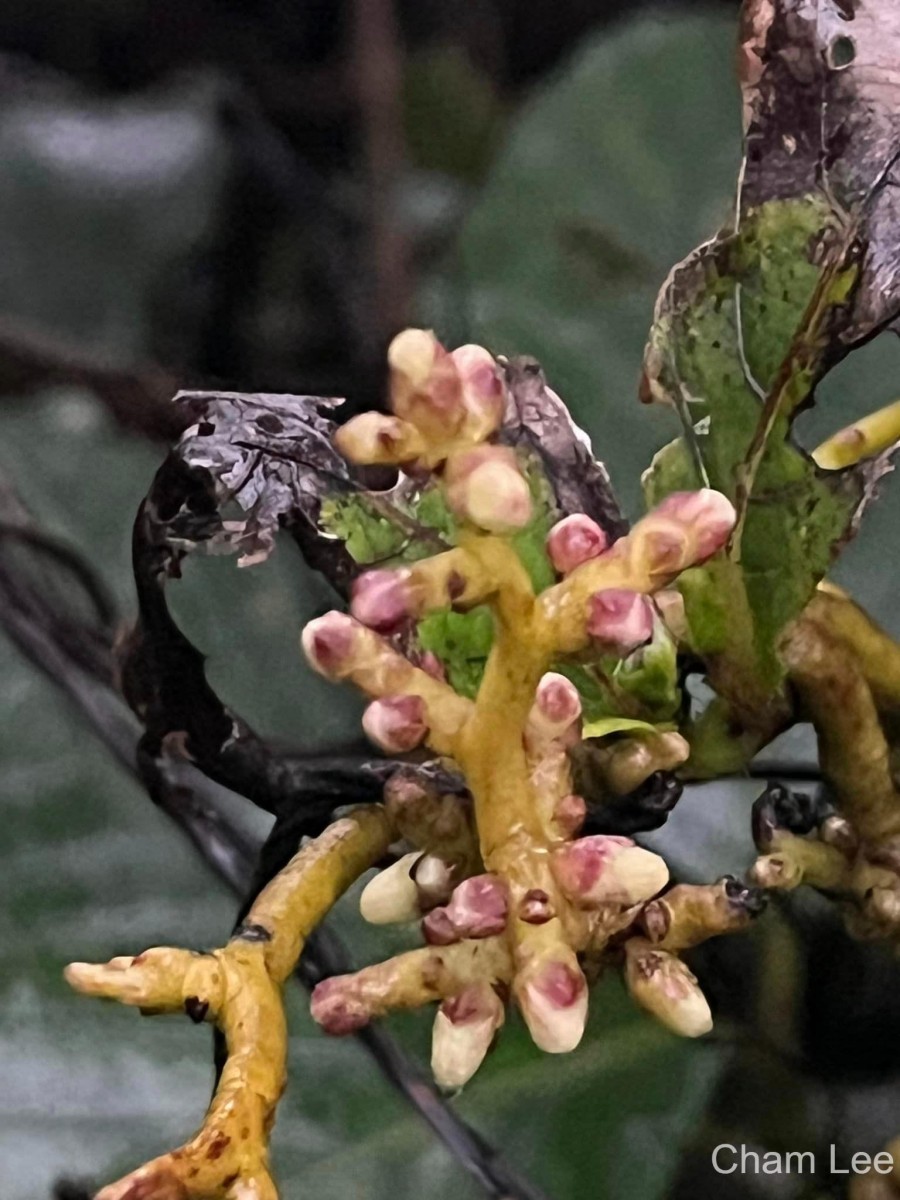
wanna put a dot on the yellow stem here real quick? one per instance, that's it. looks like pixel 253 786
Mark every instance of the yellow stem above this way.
pixel 291 906
pixel 877 654
pixel 238 987
pixel 860 440
pixel 455 577
pixel 853 750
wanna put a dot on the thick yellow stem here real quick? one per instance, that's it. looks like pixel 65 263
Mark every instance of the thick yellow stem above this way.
pixel 860 440
pixel 853 750
pixel 239 988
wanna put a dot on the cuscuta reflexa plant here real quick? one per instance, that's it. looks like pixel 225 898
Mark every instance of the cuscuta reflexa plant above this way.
pixel 515 906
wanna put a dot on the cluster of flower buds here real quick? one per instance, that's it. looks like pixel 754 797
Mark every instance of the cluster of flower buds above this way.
pixel 511 900
pixel 510 911
pixel 445 406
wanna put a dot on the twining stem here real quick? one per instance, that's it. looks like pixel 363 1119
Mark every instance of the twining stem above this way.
pixel 876 653
pixel 853 750
pixel 295 901
pixel 239 988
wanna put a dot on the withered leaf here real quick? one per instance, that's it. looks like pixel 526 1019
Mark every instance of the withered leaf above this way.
pixel 750 322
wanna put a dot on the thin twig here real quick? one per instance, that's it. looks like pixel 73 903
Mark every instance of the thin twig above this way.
pixel 139 397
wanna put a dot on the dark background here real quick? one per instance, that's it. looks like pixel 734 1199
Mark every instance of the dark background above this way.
pixel 258 195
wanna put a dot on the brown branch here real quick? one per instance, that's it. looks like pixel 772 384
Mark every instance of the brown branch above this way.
pixel 138 397
pixel 378 69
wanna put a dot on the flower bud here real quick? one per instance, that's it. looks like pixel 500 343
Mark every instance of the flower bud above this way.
pixel 605 869
pixel 406 795
pixel 632 761
pixel 883 905
pixel 557 705
pixel 396 723
pixel 709 515
pixel 573 541
pixel 669 603
pixel 552 996
pixel 662 984
pixel 482 388
pixel 621 619
pixel 411 356
pixel 391 896
pixel 381 599
pixel 335 1007
pixel 776 871
pixel 464 1029
pixel 425 385
pixel 435 880
pixel 478 908
pixel 569 815
pixel 837 831
pixel 328 644
pixel 484 486
pixel 373 438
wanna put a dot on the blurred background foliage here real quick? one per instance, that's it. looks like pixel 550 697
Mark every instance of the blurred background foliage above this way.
pixel 257 195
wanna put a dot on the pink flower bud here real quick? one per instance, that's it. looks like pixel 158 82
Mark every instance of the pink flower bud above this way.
pixel 483 391
pixel 464 1029
pixel 552 996
pixel 604 869
pixel 328 644
pixel 569 814
pixel 396 723
pixel 573 541
pixel 661 983
pixel 557 705
pixel 484 486
pixel 621 619
pixel 709 515
pixel 334 1006
pixel 381 599
pixel 478 908
pixel 373 438
pixel 425 385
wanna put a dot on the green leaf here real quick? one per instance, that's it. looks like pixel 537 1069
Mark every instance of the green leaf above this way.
pixel 649 676
pixel 747 326
pixel 607 725
pixel 462 641
pixel 368 535
pixel 729 317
